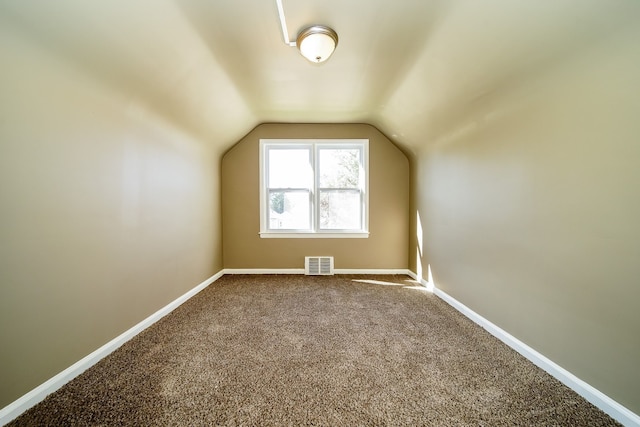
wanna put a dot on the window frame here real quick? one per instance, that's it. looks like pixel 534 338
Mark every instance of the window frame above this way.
pixel 314 145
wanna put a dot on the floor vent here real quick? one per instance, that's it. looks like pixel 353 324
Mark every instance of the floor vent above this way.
pixel 318 265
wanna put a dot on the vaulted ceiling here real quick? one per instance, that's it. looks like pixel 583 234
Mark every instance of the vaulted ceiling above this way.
pixel 410 67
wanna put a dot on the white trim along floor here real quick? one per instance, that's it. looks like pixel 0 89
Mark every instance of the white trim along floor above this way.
pixel 597 398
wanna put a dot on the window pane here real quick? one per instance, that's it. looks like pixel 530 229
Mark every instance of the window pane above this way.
pixel 289 210
pixel 289 168
pixel 339 167
pixel 340 210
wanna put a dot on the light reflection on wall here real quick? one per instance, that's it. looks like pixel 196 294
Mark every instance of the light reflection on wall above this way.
pixel 419 256
pixel 419 247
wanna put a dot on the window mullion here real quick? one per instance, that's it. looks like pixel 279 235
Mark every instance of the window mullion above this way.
pixel 264 220
pixel 316 192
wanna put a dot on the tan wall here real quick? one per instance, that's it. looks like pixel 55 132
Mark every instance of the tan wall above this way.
pixel 387 244
pixel 531 215
pixel 107 213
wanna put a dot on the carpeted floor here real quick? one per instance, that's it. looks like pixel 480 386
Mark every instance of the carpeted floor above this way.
pixel 324 350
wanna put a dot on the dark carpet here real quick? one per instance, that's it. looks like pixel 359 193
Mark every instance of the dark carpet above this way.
pixel 314 351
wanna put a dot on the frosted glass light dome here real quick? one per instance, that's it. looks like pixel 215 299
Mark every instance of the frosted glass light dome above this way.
pixel 317 43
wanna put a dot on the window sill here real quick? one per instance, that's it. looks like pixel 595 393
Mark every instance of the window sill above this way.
pixel 303 235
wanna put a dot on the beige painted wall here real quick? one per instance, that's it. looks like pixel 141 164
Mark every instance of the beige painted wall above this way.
pixel 387 244
pixel 107 213
pixel 531 214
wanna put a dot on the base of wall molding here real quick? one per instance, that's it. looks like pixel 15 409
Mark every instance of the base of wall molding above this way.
pixel 384 271
pixel 35 396
pixel 301 271
pixel 593 395
pixel 263 271
pixel 597 398
pixel 415 277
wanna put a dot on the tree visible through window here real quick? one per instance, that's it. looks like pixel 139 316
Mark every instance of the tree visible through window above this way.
pixel 314 187
pixel 340 196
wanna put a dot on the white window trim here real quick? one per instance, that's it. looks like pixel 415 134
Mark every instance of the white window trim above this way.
pixel 305 234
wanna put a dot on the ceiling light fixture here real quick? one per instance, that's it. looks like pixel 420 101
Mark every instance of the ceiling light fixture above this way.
pixel 316 43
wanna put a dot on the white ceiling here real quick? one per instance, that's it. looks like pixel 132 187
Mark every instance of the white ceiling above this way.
pixel 410 67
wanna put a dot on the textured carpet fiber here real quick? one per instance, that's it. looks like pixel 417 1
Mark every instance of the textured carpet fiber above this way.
pixel 330 350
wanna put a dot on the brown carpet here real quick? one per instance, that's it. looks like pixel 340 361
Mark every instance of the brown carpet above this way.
pixel 295 350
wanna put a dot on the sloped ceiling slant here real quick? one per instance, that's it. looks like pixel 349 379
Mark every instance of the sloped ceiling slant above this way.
pixel 414 69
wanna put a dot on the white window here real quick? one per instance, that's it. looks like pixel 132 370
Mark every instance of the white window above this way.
pixel 314 188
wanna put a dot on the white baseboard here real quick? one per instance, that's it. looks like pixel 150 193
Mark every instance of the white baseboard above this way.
pixel 384 271
pixel 415 277
pixel 301 271
pixel 593 395
pixel 263 271
pixel 14 409
pixel 597 398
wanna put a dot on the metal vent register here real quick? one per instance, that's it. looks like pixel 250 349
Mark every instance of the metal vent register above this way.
pixel 318 265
